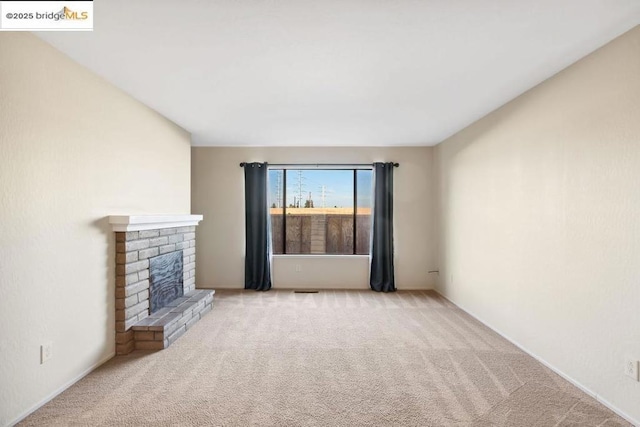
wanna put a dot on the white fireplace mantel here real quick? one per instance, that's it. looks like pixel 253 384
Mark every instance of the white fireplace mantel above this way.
pixel 151 222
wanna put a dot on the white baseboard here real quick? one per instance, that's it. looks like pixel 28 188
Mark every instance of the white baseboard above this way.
pixel 591 393
pixel 62 388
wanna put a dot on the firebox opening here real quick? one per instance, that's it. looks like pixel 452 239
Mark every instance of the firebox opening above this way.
pixel 165 279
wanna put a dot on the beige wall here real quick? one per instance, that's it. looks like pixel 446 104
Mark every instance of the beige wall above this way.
pixel 73 149
pixel 539 219
pixel 218 193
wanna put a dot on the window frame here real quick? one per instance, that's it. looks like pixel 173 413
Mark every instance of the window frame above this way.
pixel 354 168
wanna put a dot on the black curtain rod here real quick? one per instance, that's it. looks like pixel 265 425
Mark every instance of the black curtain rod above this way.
pixel 319 164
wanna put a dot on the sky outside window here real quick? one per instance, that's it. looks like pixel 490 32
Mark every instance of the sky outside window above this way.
pixel 324 188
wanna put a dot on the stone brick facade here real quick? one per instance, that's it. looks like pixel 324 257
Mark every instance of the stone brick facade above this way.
pixel 133 250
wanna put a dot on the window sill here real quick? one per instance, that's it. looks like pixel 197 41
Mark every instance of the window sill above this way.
pixel 320 256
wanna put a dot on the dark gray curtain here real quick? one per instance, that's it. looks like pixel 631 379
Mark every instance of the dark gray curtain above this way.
pixel 381 278
pixel 257 271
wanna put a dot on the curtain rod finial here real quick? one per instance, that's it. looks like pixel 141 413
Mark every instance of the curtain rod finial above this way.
pixel 242 164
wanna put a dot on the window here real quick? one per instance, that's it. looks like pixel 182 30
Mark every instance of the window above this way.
pixel 320 211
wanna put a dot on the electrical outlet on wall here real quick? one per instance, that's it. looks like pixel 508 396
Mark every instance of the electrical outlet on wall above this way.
pixel 631 368
pixel 298 268
pixel 46 352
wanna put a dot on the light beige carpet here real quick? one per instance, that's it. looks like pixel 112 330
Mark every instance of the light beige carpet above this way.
pixel 337 358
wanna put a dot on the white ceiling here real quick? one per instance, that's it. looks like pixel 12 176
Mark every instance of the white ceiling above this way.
pixel 336 72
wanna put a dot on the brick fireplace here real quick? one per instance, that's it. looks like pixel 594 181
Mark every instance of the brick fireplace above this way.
pixel 156 252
